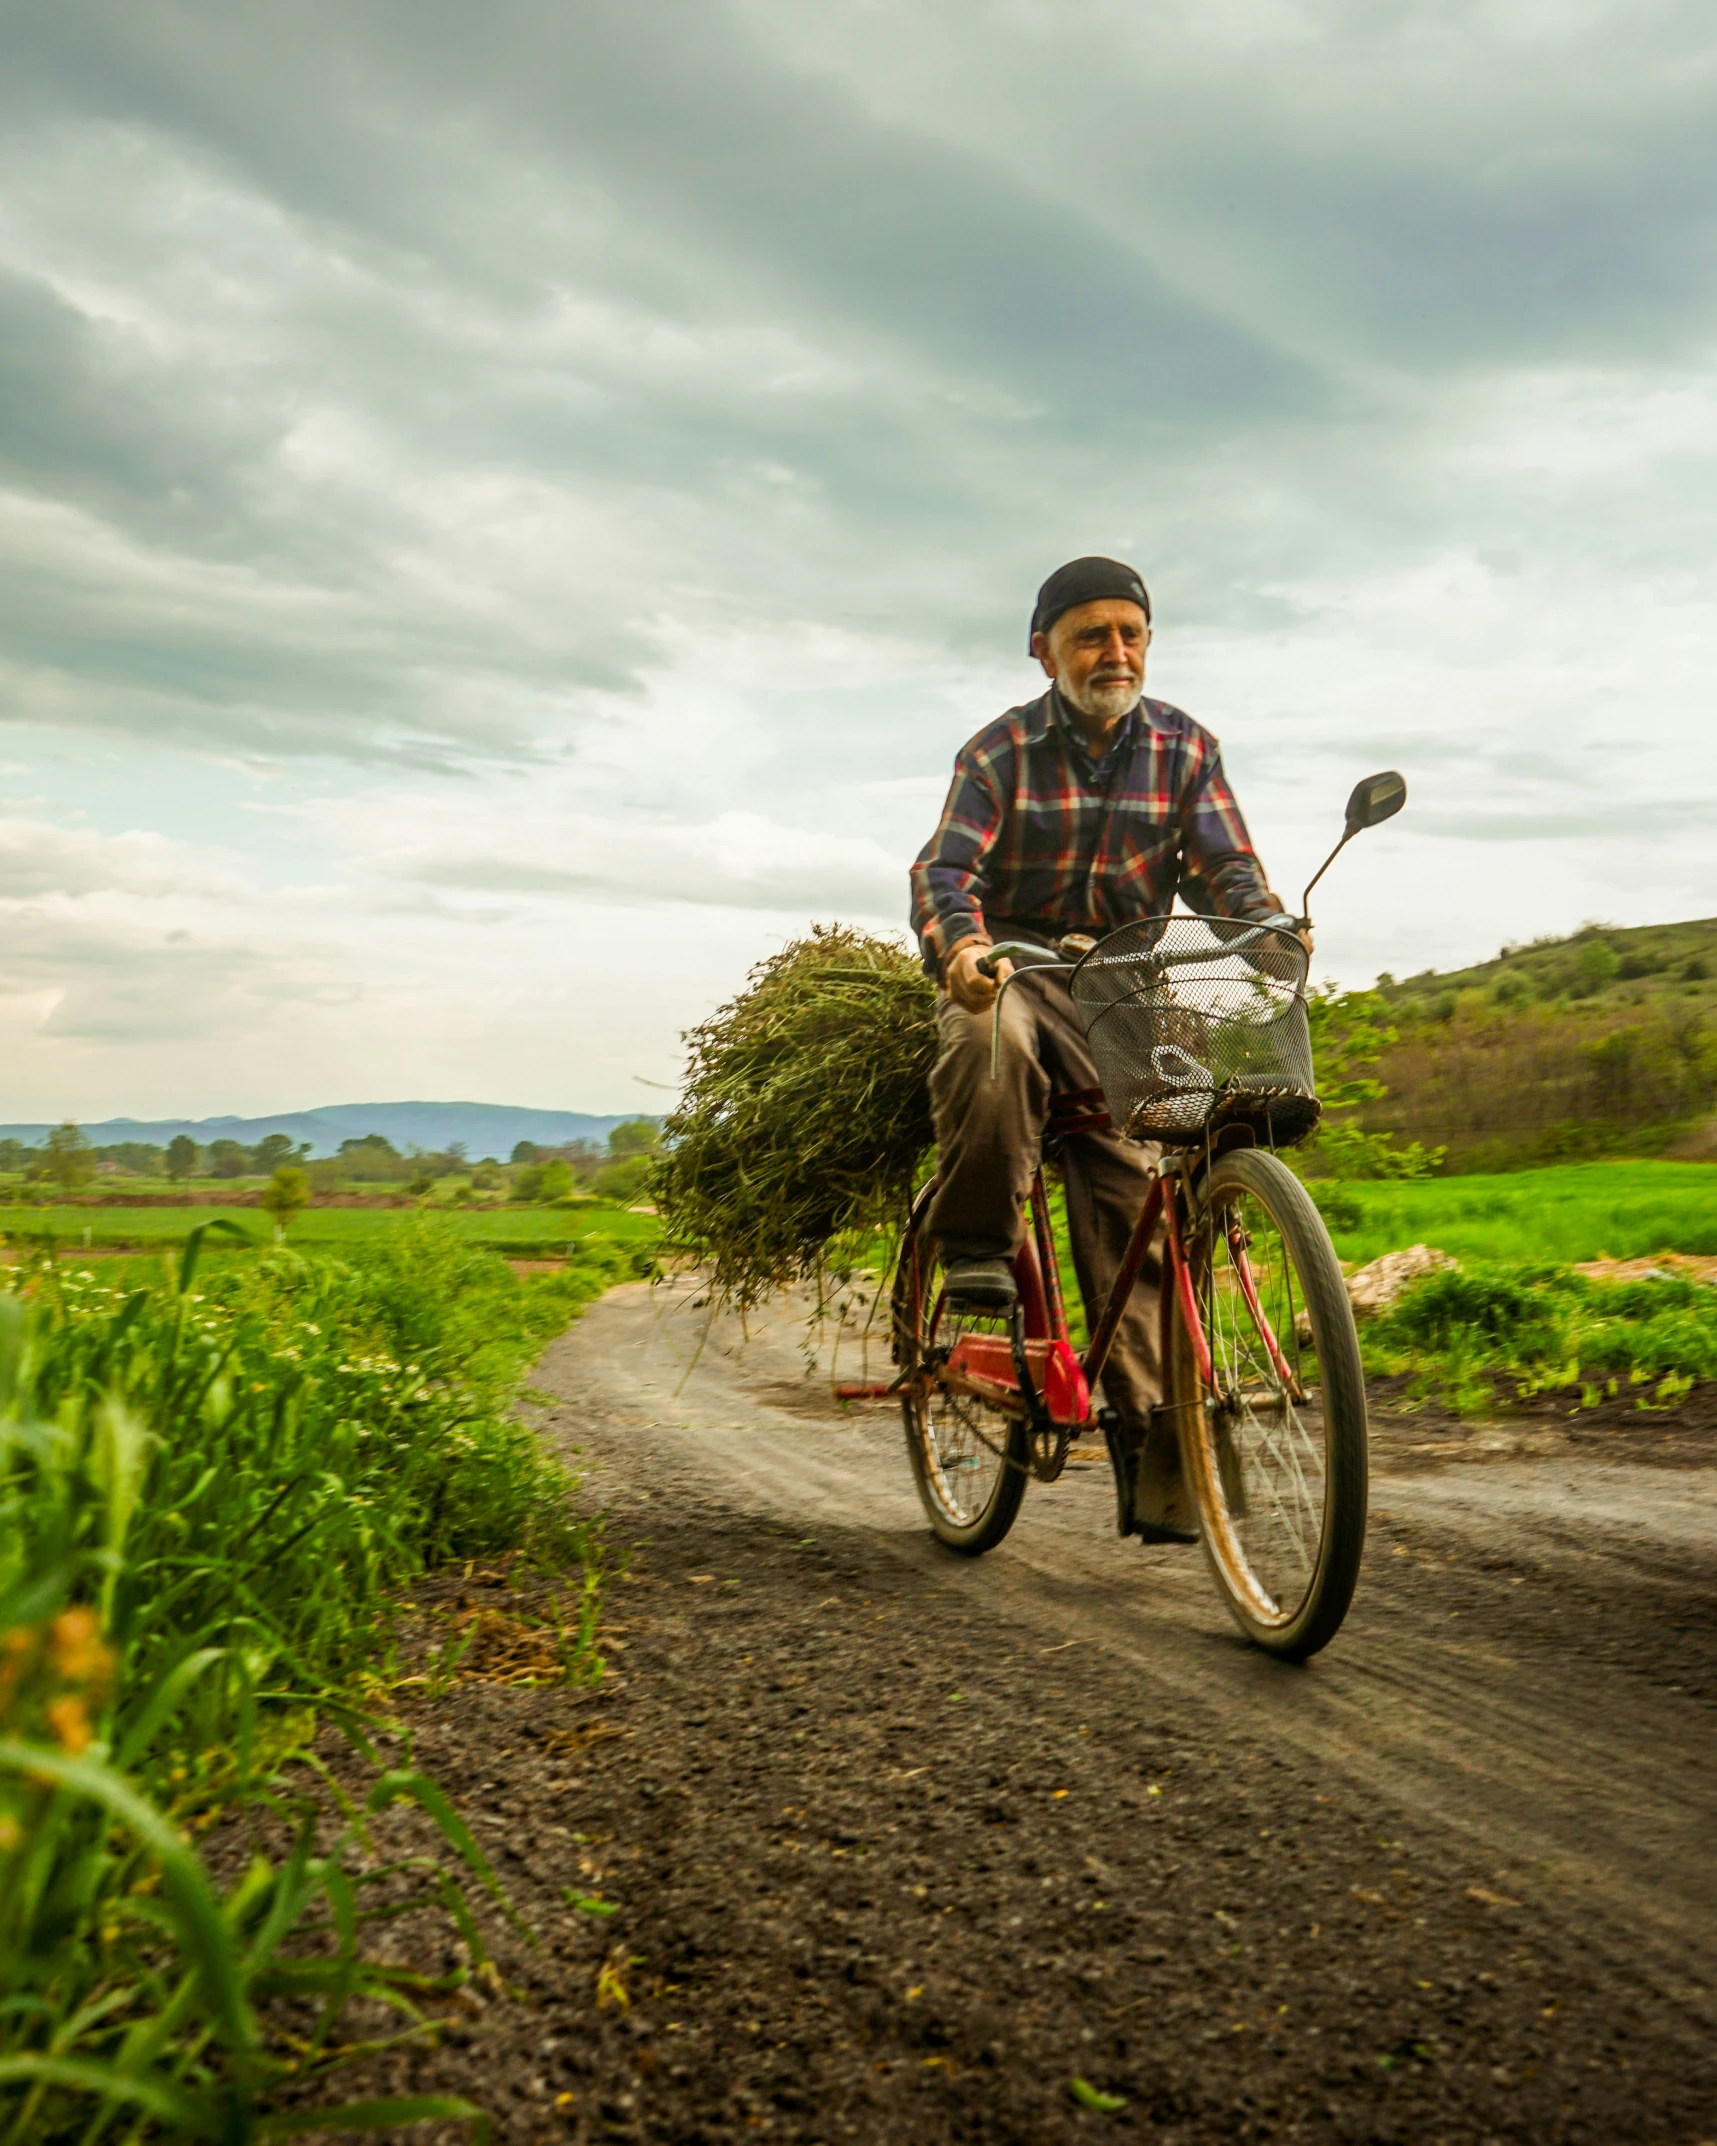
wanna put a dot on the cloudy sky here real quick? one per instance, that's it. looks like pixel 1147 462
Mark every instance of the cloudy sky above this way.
pixel 507 512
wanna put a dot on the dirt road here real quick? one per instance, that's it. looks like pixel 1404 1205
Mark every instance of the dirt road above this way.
pixel 909 1848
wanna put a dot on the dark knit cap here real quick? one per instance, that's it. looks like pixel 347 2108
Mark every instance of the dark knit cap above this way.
pixel 1086 581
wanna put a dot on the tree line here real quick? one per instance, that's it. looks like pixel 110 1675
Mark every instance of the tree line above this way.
pixel 69 1161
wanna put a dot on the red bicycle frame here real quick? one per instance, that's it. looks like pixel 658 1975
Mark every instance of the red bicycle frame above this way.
pixel 984 1365
pixel 987 1366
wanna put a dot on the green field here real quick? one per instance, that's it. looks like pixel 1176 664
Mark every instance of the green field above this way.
pixel 520 1230
pixel 1577 1211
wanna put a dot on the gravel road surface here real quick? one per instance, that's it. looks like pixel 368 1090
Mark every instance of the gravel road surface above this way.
pixel 899 1847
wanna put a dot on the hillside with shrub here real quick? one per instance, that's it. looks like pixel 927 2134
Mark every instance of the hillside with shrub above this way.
pixel 1600 1043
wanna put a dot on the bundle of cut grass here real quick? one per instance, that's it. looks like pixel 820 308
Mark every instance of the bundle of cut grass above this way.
pixel 806 1112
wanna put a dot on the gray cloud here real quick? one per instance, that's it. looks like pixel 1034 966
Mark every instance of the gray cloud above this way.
pixel 1420 182
pixel 112 981
pixel 679 119
pixel 77 420
pixel 739 861
pixel 613 449
pixel 1644 821
pixel 37 858
pixel 350 302
pixel 396 292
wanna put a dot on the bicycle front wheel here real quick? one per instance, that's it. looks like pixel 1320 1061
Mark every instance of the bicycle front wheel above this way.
pixel 1274 1442
pixel 969 1460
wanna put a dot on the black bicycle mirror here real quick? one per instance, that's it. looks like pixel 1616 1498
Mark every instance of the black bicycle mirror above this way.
pixel 1377 798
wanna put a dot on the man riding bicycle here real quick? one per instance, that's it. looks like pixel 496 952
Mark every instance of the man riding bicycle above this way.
pixel 1073 814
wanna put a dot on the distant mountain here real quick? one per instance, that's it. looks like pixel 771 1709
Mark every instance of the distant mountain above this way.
pixel 486 1128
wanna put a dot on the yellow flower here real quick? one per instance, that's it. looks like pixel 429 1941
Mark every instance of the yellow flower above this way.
pixel 75 1648
pixel 69 1722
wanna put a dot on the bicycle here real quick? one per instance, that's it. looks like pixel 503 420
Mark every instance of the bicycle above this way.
pixel 1199 1032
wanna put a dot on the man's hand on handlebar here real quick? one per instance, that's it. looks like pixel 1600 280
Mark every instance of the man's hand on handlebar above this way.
pixel 967 984
pixel 1284 921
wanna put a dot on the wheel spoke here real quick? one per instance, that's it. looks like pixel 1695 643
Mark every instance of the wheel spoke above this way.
pixel 1273 1426
pixel 963 1441
pixel 1276 1502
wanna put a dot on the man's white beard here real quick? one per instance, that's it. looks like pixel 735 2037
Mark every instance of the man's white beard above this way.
pixel 1103 704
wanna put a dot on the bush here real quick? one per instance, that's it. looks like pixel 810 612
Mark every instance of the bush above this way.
pixel 541 1183
pixel 1341 1209
pixel 1595 964
pixel 1347 1152
pixel 228 1159
pixel 68 1159
pixel 374 1160
pixel 1455 1305
pixel 1516 1087
pixel 1542 1326
pixel 624 1182
pixel 286 1194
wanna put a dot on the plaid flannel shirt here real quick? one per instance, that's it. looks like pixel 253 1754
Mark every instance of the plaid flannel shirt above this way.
pixel 1038 837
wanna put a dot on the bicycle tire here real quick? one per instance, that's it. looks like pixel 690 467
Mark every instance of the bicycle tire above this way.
pixel 1249 1444
pixel 946 1433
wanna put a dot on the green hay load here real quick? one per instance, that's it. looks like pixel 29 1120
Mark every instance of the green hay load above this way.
pixel 806 1113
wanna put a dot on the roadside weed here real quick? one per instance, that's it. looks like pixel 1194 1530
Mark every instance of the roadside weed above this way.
pixel 211 1501
pixel 1460 1334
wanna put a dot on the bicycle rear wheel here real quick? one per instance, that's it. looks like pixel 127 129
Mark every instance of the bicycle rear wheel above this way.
pixel 969 1460
pixel 1275 1444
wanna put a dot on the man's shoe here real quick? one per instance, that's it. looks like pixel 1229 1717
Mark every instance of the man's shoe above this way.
pixel 1123 1441
pixel 1154 1531
pixel 980 1285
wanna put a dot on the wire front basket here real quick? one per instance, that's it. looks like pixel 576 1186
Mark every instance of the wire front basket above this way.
pixel 1200 1022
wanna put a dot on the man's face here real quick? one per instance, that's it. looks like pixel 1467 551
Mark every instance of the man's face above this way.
pixel 1096 655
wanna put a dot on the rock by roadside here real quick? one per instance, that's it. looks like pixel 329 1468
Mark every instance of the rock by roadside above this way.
pixel 1374 1288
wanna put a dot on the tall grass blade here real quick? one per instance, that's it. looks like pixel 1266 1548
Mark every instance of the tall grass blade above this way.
pixel 206 1940
pixel 380 2116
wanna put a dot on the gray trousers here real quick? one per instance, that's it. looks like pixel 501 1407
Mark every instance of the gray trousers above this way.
pixel 988 1142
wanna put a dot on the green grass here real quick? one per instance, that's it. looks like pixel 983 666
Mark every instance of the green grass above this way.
pixel 214 1487
pixel 1514 1319
pixel 1475 1334
pixel 506 1229
pixel 1577 1211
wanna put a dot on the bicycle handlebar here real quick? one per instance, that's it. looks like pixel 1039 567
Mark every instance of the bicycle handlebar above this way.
pixel 1289 927
pixel 1024 954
